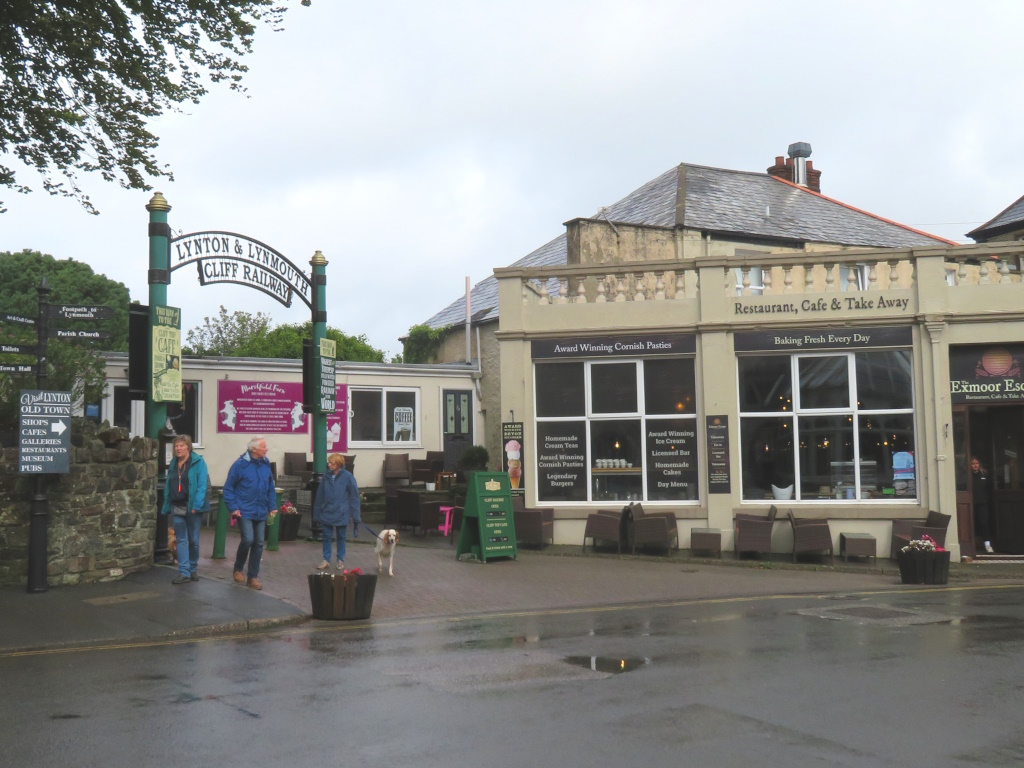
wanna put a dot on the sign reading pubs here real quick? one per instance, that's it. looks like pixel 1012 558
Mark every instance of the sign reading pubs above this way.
pixel 166 369
pixel 512 454
pixel 224 257
pixel 561 461
pixel 44 432
pixel 986 373
pixel 636 345
pixel 488 528
pixel 719 480
pixel 813 340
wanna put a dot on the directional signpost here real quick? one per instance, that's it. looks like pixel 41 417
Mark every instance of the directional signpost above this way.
pixel 44 432
pixel 80 312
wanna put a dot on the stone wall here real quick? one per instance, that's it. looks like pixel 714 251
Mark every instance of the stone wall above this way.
pixel 102 513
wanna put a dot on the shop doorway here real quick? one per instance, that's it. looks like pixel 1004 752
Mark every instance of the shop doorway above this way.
pixel 458 425
pixel 995 435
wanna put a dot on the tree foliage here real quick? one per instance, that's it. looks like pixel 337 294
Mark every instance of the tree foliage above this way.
pixel 422 343
pixel 80 80
pixel 242 334
pixel 72 366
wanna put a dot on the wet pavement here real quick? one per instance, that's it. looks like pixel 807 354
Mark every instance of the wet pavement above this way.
pixel 429 582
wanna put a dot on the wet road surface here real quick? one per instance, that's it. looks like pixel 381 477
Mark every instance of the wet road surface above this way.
pixel 874 678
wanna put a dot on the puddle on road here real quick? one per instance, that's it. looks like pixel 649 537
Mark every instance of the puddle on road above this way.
pixel 611 665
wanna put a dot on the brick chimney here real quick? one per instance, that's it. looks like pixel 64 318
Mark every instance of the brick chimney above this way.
pixel 797 168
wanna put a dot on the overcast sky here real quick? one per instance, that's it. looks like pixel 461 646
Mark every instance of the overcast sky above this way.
pixel 418 143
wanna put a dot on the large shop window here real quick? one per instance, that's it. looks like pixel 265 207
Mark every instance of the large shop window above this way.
pixel 827 426
pixel 622 430
pixel 184 416
pixel 384 416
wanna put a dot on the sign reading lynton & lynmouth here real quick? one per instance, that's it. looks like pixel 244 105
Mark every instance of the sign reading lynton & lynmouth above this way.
pixel 813 340
pixel 986 373
pixel 616 346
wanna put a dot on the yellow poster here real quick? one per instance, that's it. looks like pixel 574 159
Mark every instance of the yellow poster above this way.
pixel 166 322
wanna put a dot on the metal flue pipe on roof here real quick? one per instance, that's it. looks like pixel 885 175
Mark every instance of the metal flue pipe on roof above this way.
pixel 800 151
pixel 469 357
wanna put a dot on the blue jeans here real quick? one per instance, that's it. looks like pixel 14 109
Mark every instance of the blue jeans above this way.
pixel 186 531
pixel 329 532
pixel 251 545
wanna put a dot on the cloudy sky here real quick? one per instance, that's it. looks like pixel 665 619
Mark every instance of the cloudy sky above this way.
pixel 416 144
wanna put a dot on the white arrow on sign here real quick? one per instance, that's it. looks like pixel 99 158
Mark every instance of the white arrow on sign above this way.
pixel 58 427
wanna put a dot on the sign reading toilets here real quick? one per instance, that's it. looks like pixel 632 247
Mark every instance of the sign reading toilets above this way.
pixel 258 407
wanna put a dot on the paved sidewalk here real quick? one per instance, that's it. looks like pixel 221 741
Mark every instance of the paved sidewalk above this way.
pixel 428 582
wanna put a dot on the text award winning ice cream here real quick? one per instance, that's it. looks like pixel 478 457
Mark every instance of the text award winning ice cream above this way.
pixel 515 466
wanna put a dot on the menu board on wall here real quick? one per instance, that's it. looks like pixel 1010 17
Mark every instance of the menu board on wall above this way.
pixel 256 407
pixel 719 479
pixel 561 461
pixel 671 458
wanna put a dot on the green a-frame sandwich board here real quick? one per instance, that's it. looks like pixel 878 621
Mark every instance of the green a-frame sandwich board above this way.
pixel 488 528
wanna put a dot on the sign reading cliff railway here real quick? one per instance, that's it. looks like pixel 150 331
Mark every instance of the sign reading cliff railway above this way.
pixel 226 257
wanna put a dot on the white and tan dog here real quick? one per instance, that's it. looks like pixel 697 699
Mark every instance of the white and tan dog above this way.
pixel 385 546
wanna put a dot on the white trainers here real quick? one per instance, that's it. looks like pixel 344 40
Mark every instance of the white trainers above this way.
pixel 324 565
pixel 988 547
pixel 341 565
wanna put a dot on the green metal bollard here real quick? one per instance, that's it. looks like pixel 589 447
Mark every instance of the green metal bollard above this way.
pixel 274 528
pixel 221 533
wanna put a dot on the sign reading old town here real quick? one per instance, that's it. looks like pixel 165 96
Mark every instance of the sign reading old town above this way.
pixel 986 373
pixel 226 257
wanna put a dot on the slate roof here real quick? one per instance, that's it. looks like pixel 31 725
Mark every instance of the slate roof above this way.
pixel 738 204
pixel 1010 219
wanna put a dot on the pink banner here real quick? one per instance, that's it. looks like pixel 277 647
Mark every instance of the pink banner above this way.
pixel 337 423
pixel 256 407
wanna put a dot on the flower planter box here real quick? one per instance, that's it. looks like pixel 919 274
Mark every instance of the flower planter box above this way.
pixel 289 527
pixel 920 567
pixel 342 596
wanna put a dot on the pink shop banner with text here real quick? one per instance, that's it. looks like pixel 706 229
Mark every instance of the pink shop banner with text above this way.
pixel 337 423
pixel 257 407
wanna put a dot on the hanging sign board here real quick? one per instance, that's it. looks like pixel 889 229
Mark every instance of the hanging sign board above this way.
pixel 44 432
pixel 65 333
pixel 328 351
pixel 166 370
pixel 17 319
pixel 488 529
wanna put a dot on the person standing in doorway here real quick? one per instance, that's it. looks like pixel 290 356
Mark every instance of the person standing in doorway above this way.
pixel 185 499
pixel 249 494
pixel 337 502
pixel 980 502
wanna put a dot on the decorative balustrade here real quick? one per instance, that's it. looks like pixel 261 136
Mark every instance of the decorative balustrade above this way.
pixel 768 274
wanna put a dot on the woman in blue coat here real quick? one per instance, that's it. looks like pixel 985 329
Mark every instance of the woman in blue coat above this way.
pixel 337 502
pixel 185 499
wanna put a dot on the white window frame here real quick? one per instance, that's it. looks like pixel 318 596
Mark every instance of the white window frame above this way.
pixel 417 442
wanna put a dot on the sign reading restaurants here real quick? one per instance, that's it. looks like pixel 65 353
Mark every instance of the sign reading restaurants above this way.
pixel 986 373
pixel 254 407
pixel 44 432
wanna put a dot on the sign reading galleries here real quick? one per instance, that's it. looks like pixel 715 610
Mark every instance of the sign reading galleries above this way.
pixel 250 407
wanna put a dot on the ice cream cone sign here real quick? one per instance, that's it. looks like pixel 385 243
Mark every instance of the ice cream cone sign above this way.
pixel 513 452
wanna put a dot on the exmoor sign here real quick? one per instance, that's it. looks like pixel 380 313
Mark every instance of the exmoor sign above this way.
pixel 986 373
pixel 225 257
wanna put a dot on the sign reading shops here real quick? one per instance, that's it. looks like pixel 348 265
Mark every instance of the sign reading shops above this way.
pixel 817 339
pixel 615 346
pixel 986 373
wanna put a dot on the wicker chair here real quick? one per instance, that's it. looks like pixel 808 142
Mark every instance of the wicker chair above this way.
pixel 754 533
pixel 657 528
pixel 416 513
pixel 397 468
pixel 605 525
pixel 811 536
pixel 426 470
pixel 903 531
pixel 534 526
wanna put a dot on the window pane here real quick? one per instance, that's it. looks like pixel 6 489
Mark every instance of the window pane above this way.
pixel 366 420
pixel 765 384
pixel 400 416
pixel 616 445
pixel 884 379
pixel 887 456
pixel 826 446
pixel 824 382
pixel 183 415
pixel 122 408
pixel 561 461
pixel 613 388
pixel 671 459
pixel 669 386
pixel 560 389
pixel 767 453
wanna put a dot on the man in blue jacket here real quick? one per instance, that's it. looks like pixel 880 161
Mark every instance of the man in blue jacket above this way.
pixel 249 494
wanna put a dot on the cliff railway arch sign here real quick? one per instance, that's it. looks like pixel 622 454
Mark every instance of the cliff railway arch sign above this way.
pixel 227 257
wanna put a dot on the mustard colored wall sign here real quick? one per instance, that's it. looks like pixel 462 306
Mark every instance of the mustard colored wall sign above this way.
pixel 166 370
pixel 488 529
